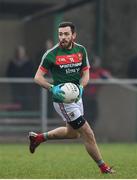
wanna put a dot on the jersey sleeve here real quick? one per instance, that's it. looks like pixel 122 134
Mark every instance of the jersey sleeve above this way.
pixel 45 63
pixel 85 62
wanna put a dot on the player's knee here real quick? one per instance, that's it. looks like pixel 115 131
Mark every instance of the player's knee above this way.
pixel 76 124
pixel 77 135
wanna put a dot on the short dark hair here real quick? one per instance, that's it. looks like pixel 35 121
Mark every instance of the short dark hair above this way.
pixel 70 24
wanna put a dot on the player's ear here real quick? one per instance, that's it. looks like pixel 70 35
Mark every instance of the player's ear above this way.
pixel 74 36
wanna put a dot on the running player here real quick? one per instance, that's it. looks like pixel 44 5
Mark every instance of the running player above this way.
pixel 68 62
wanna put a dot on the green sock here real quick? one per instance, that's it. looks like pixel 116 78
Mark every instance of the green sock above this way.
pixel 100 162
pixel 45 135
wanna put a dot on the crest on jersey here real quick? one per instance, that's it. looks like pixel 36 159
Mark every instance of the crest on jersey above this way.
pixel 79 56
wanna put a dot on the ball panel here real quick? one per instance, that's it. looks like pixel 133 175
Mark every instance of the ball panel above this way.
pixel 71 92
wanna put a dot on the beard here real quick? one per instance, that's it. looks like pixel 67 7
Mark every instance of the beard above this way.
pixel 66 44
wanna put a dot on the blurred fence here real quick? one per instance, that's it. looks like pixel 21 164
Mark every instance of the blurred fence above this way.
pixel 111 105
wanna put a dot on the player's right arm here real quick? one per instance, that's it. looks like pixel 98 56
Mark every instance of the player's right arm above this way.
pixel 41 80
pixel 45 65
pixel 42 71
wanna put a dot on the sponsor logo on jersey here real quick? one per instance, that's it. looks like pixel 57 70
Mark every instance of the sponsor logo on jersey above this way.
pixel 70 65
pixel 69 59
pixel 80 56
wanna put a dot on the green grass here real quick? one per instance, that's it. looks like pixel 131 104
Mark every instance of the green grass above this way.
pixel 65 161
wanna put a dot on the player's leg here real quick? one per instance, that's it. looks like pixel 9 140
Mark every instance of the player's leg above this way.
pixel 73 114
pixel 59 133
pixel 90 142
pixel 88 137
pixel 76 124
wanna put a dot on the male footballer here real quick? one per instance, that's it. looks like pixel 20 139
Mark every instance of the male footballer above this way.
pixel 68 62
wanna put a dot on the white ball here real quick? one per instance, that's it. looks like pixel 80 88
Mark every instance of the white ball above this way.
pixel 71 92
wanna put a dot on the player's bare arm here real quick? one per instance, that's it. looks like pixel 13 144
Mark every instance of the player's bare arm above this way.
pixel 41 80
pixel 85 78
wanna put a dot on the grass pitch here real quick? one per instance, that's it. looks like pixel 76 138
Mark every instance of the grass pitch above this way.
pixel 65 161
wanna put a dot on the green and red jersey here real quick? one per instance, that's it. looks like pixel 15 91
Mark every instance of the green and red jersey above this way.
pixel 65 65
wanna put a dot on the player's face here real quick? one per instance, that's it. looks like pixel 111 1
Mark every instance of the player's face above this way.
pixel 66 37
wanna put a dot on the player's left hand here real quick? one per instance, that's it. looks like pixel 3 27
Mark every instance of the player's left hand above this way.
pixel 80 93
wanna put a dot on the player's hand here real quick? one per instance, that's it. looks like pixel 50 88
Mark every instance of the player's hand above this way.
pixel 57 92
pixel 80 92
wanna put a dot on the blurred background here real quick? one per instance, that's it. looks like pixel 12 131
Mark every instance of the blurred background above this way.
pixel 107 28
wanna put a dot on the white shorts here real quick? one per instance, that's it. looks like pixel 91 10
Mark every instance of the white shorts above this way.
pixel 69 112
